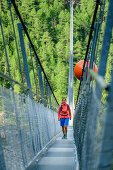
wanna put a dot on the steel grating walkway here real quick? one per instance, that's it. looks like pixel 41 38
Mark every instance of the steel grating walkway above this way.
pixel 60 156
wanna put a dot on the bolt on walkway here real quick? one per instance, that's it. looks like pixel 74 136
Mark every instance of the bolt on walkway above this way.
pixel 60 156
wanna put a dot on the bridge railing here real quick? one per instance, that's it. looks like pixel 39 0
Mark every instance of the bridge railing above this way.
pixel 94 111
pixel 28 118
pixel 26 127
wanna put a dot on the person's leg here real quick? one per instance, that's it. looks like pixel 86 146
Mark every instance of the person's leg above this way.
pixel 63 129
pixel 62 124
pixel 66 129
pixel 65 126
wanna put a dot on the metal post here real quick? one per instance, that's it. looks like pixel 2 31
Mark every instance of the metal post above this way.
pixel 33 67
pixel 49 97
pixel 70 83
pixel 24 59
pixel 40 82
pixel 20 68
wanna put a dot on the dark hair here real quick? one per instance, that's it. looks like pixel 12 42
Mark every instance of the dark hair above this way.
pixel 64 98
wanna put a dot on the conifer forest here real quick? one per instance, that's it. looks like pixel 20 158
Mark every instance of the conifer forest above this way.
pixel 48 24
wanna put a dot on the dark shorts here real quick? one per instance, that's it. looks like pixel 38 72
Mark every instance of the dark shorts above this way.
pixel 64 121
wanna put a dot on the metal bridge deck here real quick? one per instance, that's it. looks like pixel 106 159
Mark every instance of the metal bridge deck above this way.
pixel 60 156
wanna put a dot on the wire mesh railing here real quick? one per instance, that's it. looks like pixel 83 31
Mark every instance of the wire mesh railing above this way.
pixel 26 127
pixel 28 118
pixel 93 114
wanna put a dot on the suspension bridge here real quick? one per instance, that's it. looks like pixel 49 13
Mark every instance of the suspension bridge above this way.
pixel 30 134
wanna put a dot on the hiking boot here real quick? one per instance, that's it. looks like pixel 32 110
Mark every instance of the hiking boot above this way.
pixel 65 137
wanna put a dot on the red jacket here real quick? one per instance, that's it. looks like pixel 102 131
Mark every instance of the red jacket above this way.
pixel 64 113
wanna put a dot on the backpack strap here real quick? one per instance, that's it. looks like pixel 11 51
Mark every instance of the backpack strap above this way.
pixel 61 108
pixel 67 107
pixel 67 110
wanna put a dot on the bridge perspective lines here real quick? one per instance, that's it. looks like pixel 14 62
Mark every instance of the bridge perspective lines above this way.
pixel 60 155
pixel 30 133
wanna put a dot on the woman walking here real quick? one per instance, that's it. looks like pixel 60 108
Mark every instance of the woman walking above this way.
pixel 64 113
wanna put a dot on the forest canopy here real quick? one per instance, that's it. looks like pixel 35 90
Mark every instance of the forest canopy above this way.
pixel 48 24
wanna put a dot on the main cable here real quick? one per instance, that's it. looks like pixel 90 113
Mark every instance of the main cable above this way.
pixel 25 29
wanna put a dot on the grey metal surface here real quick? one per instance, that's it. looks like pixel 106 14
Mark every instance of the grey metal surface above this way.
pixel 70 80
pixel 60 156
pixel 93 118
pixel 105 46
pixel 23 50
pixel 106 149
pixel 23 142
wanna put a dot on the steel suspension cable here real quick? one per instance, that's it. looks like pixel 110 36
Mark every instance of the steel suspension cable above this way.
pixel 89 40
pixel 27 34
